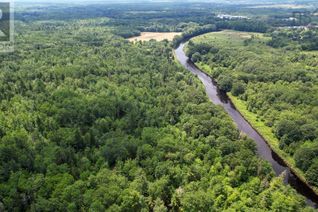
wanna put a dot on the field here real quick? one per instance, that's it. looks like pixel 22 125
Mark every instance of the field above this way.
pixel 229 37
pixel 158 36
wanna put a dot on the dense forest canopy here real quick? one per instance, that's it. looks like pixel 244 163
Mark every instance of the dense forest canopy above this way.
pixel 92 122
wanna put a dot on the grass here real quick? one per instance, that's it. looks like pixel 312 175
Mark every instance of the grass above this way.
pixel 233 43
pixel 255 122
pixel 158 36
pixel 228 38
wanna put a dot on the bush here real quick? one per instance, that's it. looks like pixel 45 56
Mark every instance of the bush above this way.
pixel 288 131
pixel 312 174
pixel 304 157
pixel 196 57
pixel 238 88
pixel 225 83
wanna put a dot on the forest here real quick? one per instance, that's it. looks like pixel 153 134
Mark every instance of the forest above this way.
pixel 92 122
pixel 275 76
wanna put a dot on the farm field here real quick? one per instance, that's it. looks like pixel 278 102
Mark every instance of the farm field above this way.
pixel 158 36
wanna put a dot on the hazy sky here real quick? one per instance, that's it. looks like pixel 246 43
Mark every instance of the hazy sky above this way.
pixel 132 1
pixel 114 1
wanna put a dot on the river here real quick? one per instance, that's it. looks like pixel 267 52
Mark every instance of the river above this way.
pixel 263 150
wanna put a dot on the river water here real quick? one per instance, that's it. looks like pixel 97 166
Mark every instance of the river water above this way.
pixel 263 150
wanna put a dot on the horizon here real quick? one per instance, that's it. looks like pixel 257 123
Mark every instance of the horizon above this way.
pixel 172 1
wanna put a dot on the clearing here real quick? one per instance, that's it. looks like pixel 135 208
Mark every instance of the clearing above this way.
pixel 228 38
pixel 158 36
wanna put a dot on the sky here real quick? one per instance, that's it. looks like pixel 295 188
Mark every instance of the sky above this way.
pixel 114 1
pixel 139 1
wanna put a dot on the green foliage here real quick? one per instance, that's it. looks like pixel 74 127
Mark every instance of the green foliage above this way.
pixel 304 156
pixel 238 88
pixel 307 39
pixel 196 57
pixel 287 131
pixel 312 173
pixel 193 31
pixel 225 83
pixel 244 25
pixel 199 49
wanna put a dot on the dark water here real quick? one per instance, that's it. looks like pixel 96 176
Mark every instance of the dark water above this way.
pixel 264 151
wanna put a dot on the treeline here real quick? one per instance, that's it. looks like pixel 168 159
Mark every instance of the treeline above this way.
pixel 129 20
pixel 244 25
pixel 126 32
pixel 126 20
pixel 192 32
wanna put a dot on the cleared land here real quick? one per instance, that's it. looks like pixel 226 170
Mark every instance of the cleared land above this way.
pixel 158 36
pixel 228 38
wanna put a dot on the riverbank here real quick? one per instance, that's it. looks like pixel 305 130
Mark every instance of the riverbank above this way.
pixel 269 137
pixel 240 57
pixel 264 150
pixel 264 131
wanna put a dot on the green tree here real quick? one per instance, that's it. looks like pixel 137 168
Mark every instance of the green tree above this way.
pixel 312 173
pixel 225 83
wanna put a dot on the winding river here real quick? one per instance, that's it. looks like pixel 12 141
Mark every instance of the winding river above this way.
pixel 264 151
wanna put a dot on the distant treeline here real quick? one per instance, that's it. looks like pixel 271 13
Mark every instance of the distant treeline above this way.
pixel 130 20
